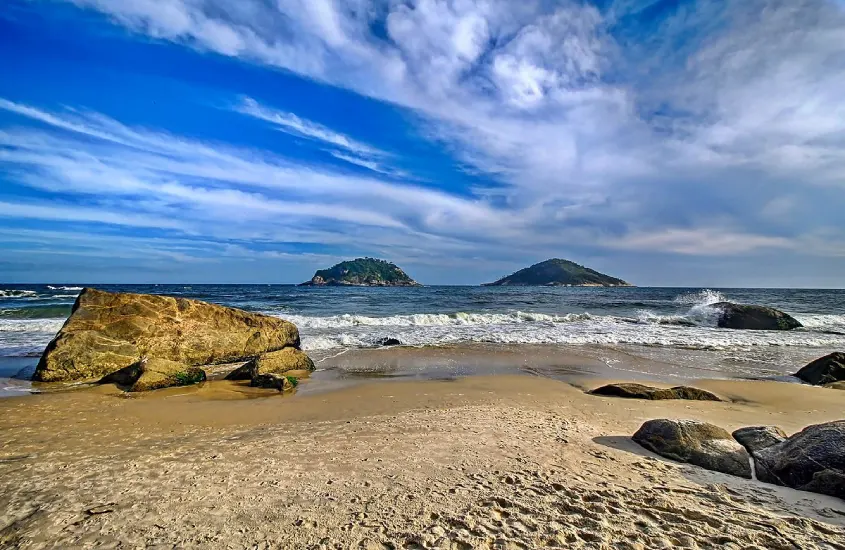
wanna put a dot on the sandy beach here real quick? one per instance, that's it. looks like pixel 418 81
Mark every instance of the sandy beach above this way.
pixel 506 461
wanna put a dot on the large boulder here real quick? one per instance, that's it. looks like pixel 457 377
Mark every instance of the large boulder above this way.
pixel 749 317
pixel 274 362
pixel 811 460
pixel 829 369
pixel 152 374
pixel 696 443
pixel 757 438
pixel 639 391
pixel 109 331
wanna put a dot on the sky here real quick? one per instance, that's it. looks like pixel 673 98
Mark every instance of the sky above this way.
pixel 669 143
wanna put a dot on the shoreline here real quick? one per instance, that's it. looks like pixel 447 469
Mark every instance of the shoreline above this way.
pixel 337 369
pixel 523 460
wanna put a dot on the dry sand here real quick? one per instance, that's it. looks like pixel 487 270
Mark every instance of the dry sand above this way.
pixel 479 462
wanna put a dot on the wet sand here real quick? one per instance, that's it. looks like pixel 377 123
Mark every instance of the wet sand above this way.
pixel 499 461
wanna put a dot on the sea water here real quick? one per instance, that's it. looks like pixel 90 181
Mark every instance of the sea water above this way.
pixel 658 322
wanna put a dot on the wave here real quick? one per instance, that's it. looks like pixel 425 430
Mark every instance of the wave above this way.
pixel 76 288
pixel 13 293
pixel 432 319
pixel 37 312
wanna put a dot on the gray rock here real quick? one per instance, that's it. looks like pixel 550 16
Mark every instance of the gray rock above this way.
pixel 750 317
pixel 811 460
pixel 696 443
pixel 757 438
pixel 640 391
pixel 829 369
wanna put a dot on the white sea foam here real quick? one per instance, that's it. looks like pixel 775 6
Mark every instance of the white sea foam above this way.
pixel 17 293
pixel 320 333
pixel 76 288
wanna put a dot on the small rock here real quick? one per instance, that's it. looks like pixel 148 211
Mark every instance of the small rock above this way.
pixel 829 369
pixel 272 381
pixel 696 443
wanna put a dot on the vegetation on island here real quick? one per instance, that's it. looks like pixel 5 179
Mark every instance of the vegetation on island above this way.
pixel 558 272
pixel 362 272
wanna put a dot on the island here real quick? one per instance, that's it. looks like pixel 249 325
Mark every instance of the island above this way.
pixel 362 272
pixel 558 272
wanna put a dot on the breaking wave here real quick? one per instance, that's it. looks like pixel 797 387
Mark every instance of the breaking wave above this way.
pixel 74 288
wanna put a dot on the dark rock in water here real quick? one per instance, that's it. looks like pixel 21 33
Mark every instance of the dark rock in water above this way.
pixel 557 272
pixel 385 342
pixel 748 317
pixel 109 331
pixel 824 370
pixel 273 362
pixel 273 381
pixel 811 460
pixel 152 374
pixel 639 391
pixel 362 272
pixel 696 443
pixel 757 438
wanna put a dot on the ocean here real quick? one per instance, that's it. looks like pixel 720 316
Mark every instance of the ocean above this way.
pixel 661 324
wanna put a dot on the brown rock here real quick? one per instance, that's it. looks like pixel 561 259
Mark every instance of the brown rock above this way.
pixel 109 331
pixel 639 391
pixel 274 362
pixel 152 374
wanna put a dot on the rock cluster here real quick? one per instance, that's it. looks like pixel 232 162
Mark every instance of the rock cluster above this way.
pixel 811 460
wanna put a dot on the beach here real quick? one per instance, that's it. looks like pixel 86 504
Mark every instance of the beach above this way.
pixel 501 461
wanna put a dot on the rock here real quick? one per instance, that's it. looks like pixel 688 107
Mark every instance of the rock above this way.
pixel 836 386
pixel 274 362
pixel 696 443
pixel 829 369
pixel 639 391
pixel 749 317
pixel 385 342
pixel 109 331
pixel 273 381
pixel 811 460
pixel 362 272
pixel 757 438
pixel 152 374
pixel 558 272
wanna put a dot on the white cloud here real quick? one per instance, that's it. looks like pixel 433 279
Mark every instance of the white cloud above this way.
pixel 590 132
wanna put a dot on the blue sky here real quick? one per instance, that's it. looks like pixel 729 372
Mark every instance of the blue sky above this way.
pixel 682 143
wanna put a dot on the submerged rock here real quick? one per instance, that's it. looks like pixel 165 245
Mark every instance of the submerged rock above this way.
pixel 152 374
pixel 749 317
pixel 274 362
pixel 639 391
pixel 811 460
pixel 757 438
pixel 274 381
pixel 827 370
pixel 696 443
pixel 386 342
pixel 109 331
